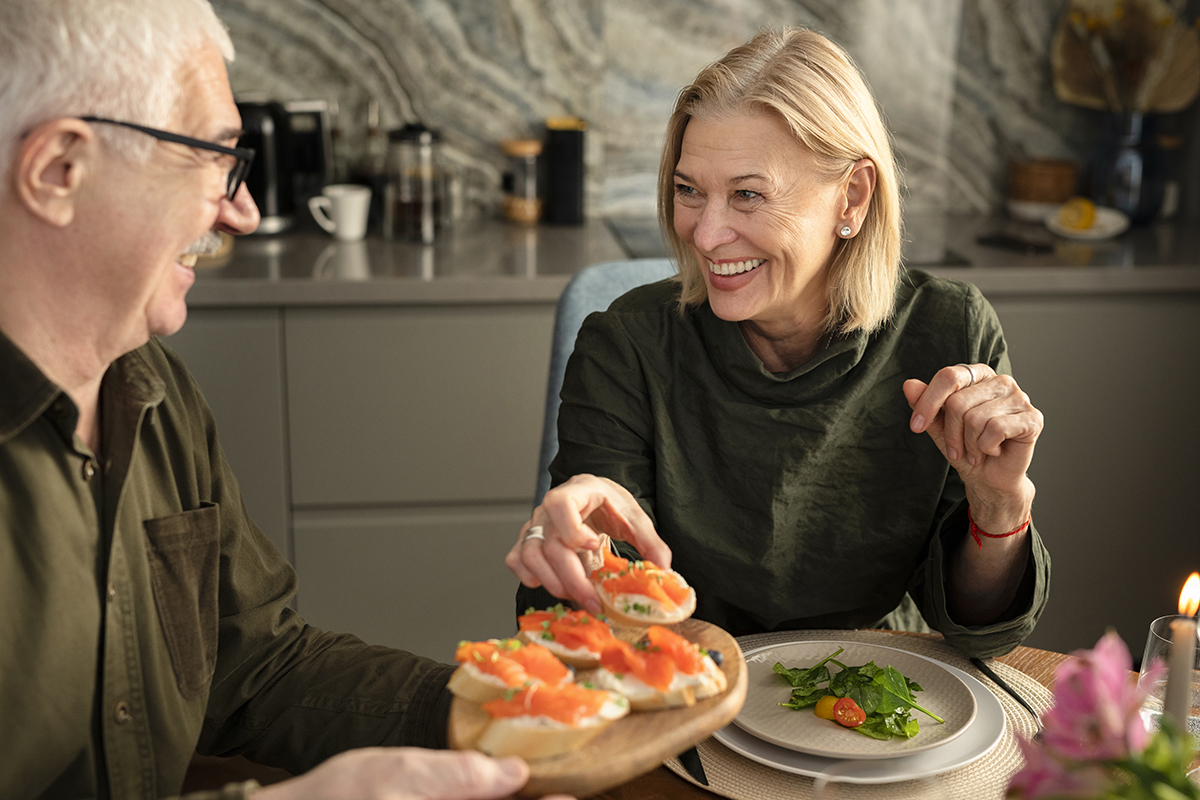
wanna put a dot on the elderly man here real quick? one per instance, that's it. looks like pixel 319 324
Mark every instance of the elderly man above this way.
pixel 143 616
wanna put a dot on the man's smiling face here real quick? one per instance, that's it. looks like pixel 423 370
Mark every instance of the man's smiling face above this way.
pixel 149 220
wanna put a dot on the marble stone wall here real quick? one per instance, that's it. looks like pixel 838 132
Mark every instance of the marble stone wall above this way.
pixel 964 84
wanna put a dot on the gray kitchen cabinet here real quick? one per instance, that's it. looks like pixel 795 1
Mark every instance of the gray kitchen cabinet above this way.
pixel 417 579
pixel 414 438
pixel 236 357
pixel 416 404
pixel 1115 468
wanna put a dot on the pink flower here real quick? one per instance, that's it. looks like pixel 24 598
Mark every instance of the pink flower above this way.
pixel 1096 711
pixel 1045 776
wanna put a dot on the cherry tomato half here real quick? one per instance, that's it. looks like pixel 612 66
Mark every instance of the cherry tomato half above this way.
pixel 847 713
pixel 824 707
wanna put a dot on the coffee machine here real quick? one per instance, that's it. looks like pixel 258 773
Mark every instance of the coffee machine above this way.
pixel 294 155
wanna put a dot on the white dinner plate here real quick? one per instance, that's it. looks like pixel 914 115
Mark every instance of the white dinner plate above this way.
pixel 800 729
pixel 980 738
pixel 1109 222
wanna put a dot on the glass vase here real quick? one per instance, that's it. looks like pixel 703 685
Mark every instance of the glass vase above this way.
pixel 1128 166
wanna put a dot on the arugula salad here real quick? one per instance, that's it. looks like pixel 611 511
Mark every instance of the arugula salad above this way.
pixel 875 701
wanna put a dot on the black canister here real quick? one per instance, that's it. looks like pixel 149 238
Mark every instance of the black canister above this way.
pixel 564 171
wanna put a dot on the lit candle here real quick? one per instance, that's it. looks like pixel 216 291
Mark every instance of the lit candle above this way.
pixel 1178 700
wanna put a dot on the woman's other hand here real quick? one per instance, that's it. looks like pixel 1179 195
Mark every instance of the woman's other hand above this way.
pixel 575 519
pixel 986 428
pixel 984 425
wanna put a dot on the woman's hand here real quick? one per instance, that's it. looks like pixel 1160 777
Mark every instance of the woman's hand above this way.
pixel 986 428
pixel 575 520
pixel 404 773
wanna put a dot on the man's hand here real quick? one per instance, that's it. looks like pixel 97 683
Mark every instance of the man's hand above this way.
pixel 404 773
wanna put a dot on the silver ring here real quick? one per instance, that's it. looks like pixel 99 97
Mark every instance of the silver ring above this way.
pixel 970 370
pixel 534 532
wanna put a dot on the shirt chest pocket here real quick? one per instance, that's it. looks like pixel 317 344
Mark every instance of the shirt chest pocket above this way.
pixel 184 556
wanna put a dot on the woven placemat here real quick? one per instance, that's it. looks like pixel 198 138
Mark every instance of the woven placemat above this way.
pixel 734 776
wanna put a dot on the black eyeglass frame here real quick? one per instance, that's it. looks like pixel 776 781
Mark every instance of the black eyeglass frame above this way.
pixel 244 155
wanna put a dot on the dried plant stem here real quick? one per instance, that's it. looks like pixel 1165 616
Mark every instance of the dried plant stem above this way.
pixel 1160 64
pixel 1103 64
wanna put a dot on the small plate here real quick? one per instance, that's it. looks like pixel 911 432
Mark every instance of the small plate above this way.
pixel 1109 223
pixel 1030 211
pixel 944 693
pixel 980 739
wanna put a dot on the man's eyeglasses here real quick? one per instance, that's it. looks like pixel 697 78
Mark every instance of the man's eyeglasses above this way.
pixel 244 155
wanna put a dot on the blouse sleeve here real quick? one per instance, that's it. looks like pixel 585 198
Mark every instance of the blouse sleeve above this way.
pixel 605 426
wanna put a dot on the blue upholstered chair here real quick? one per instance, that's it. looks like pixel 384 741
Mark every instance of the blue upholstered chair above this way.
pixel 592 289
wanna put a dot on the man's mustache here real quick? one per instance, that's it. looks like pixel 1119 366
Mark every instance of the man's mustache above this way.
pixel 206 245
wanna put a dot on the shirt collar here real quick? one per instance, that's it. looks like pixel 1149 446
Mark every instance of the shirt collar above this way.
pixel 28 393
pixel 821 374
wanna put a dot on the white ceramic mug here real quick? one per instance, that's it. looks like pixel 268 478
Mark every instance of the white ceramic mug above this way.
pixel 341 209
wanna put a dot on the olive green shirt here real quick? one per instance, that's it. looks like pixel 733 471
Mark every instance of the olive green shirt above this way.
pixel 794 500
pixel 143 616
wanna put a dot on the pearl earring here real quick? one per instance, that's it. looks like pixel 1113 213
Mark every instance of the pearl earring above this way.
pixel 845 231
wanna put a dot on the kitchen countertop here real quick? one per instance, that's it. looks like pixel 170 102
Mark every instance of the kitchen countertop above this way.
pixel 492 261
pixel 488 261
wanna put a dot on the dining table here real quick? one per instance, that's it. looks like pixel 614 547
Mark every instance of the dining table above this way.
pixel 1028 672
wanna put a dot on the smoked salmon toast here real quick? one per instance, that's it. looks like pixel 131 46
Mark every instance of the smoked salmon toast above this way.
pixel 576 637
pixel 491 669
pixel 640 593
pixel 663 671
pixel 543 720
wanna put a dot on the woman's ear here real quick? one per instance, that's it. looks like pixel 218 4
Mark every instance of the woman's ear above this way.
pixel 51 165
pixel 859 186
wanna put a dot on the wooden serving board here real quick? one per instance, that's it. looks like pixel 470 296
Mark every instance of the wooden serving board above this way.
pixel 634 744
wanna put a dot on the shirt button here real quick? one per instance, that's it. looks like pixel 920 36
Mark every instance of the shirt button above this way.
pixel 89 469
pixel 112 592
pixel 121 713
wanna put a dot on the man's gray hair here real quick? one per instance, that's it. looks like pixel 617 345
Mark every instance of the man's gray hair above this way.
pixel 105 58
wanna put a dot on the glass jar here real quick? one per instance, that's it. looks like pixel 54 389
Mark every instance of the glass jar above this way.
pixel 522 203
pixel 415 190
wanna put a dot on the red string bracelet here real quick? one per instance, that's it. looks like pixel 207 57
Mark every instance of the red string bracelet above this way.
pixel 977 531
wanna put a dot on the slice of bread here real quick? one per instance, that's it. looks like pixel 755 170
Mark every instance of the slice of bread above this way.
pixel 634 610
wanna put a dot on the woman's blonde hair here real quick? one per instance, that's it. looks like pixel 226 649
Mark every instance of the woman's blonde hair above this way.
pixel 816 89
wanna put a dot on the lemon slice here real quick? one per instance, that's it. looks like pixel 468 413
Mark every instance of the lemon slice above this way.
pixel 1078 214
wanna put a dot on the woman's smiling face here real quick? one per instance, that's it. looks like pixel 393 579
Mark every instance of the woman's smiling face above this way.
pixel 761 219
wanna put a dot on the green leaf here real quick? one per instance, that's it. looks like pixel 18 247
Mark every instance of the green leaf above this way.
pixel 890 680
pixel 817 673
pixel 875 727
pixel 805 700
pixel 883 693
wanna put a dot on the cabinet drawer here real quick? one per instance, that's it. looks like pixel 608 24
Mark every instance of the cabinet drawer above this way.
pixel 420 581
pixel 416 405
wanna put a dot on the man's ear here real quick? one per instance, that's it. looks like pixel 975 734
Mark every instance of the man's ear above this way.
pixel 859 186
pixel 52 163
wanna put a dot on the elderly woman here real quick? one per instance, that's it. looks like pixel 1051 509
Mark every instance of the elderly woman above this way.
pixel 813 436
